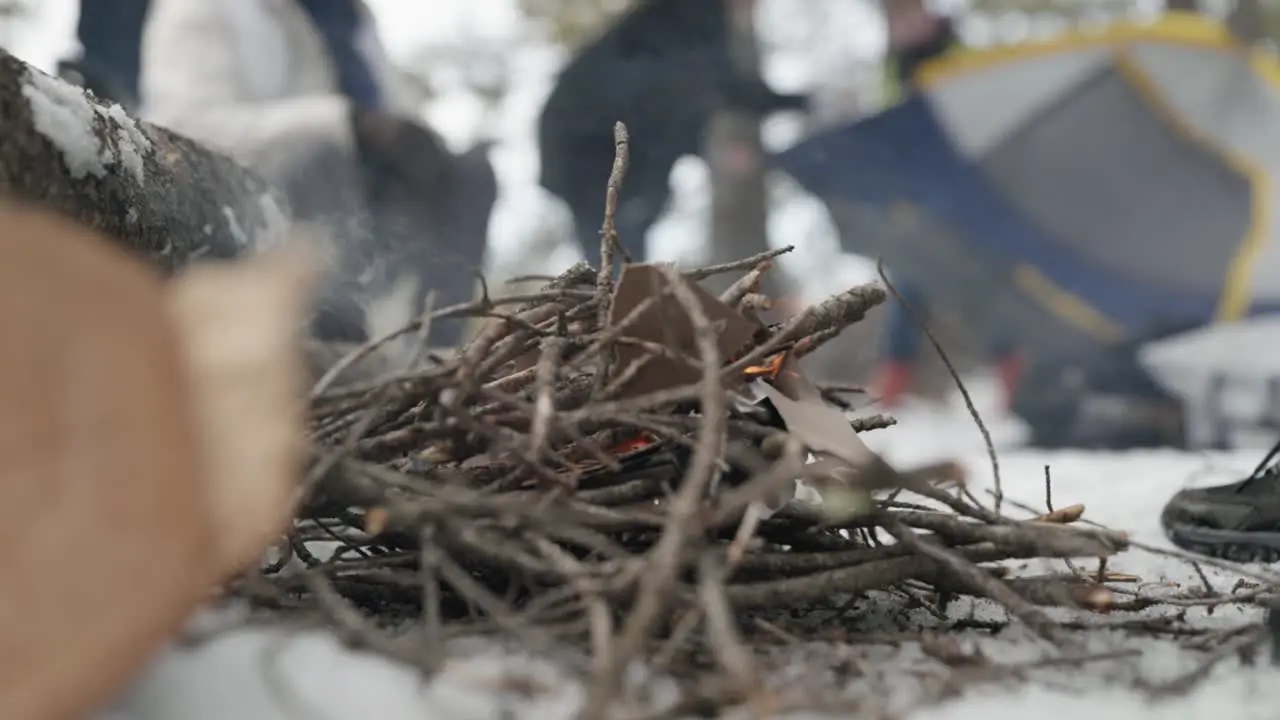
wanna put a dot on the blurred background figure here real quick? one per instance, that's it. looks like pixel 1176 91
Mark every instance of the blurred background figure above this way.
pixel 303 92
pixel 664 68
pixel 996 217
pixel 917 35
pixel 110 38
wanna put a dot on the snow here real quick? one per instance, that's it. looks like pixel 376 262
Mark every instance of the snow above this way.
pixel 254 671
pixel 1224 700
pixel 131 142
pixel 63 114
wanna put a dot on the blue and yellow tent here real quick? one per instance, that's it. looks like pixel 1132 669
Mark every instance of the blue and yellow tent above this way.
pixel 1088 190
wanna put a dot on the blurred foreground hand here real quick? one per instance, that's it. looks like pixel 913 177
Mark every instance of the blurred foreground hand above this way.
pixel 152 434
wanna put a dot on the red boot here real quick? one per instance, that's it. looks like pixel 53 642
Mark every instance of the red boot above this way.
pixel 1010 371
pixel 893 379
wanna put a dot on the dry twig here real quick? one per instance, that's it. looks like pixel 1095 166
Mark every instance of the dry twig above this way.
pixel 516 489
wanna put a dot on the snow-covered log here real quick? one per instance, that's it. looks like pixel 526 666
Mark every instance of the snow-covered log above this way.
pixel 162 195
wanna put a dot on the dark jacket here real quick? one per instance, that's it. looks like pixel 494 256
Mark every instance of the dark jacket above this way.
pixel 110 36
pixel 900 67
pixel 664 68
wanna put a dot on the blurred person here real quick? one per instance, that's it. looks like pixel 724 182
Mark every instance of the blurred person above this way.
pixel 110 38
pixel 664 69
pixel 303 92
pixel 918 35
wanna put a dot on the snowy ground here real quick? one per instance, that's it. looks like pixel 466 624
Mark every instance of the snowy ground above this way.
pixel 270 675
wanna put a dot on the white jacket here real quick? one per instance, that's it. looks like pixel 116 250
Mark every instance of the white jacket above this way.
pixel 252 78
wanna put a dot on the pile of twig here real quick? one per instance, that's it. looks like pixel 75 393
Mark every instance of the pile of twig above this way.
pixel 540 485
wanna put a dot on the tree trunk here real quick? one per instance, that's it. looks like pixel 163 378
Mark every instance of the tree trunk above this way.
pixel 739 200
pixel 157 193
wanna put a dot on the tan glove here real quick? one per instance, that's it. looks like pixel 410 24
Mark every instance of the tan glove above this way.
pixel 151 439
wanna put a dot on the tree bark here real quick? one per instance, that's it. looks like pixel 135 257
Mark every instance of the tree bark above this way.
pixel 161 195
pixel 739 199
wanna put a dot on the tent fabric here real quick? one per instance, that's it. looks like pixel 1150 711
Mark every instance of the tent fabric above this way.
pixel 1062 169
pixel 1236 108
pixel 979 109
pixel 996 312
pixel 1065 169
pixel 903 155
pixel 1222 93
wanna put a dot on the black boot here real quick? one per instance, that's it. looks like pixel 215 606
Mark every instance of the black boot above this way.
pixel 1238 521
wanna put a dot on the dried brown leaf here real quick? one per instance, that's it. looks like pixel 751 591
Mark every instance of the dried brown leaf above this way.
pixel 1063 516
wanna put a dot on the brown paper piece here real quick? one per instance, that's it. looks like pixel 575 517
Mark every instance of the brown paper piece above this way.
pixel 666 323
pixel 103 476
pixel 823 428
pixel 839 452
